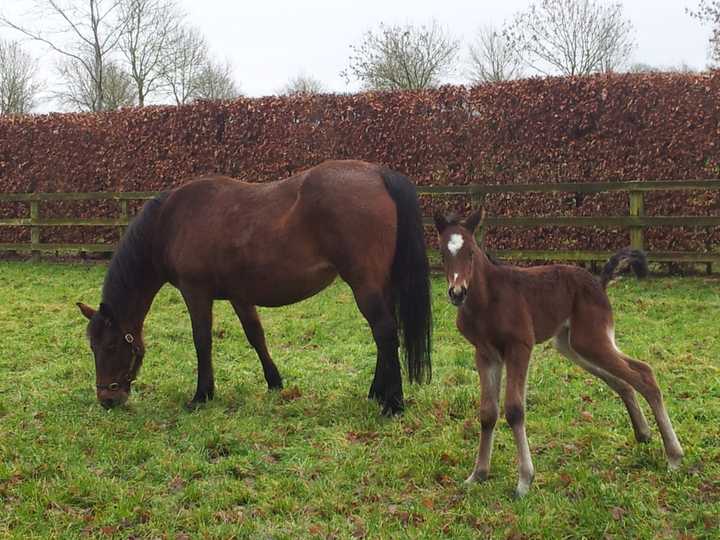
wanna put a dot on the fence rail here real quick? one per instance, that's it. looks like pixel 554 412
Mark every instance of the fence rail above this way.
pixel 634 220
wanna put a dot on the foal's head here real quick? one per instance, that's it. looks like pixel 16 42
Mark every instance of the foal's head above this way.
pixel 118 355
pixel 457 240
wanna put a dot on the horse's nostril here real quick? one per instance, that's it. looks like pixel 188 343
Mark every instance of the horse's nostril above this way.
pixel 108 403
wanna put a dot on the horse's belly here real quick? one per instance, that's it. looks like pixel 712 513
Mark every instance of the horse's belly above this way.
pixel 281 290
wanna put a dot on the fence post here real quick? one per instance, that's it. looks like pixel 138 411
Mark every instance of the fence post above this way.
pixel 34 230
pixel 477 203
pixel 123 216
pixel 637 209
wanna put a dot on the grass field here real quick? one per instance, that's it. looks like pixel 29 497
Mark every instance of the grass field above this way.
pixel 318 461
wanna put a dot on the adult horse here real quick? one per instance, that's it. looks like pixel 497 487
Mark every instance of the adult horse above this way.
pixel 271 244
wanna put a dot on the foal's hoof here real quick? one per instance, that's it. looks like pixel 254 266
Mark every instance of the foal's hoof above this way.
pixel 275 386
pixel 643 438
pixel 477 477
pixel 522 488
pixel 674 463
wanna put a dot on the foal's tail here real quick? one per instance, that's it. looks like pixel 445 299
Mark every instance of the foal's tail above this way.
pixel 621 261
pixel 411 278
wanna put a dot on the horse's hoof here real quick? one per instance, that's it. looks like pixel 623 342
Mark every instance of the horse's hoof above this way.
pixel 198 401
pixel 643 437
pixel 674 463
pixel 192 405
pixel 394 409
pixel 275 386
pixel 374 394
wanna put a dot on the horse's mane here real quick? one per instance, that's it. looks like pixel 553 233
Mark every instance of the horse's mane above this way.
pixel 129 263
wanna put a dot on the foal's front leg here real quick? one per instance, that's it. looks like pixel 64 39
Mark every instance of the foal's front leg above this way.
pixel 517 360
pixel 490 370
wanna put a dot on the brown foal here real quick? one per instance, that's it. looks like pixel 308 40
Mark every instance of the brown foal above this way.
pixel 504 311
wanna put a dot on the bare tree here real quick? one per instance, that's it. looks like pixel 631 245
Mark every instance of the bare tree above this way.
pixel 402 57
pixel 183 64
pixel 708 12
pixel 572 37
pixel 72 27
pixel 150 26
pixel 493 58
pixel 302 85
pixel 642 67
pixel 80 92
pixel 215 82
pixel 18 79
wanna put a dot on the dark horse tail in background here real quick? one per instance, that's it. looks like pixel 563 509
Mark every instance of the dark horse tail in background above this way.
pixel 270 245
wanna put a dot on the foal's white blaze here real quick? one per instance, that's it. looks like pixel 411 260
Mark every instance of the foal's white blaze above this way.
pixel 455 243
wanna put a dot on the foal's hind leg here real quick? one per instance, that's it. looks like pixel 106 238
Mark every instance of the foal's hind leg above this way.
pixel 623 389
pixel 387 381
pixel 256 337
pixel 594 345
pixel 517 360
pixel 199 304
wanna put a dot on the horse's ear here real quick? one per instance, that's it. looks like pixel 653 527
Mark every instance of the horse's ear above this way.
pixel 441 222
pixel 106 312
pixel 473 220
pixel 86 310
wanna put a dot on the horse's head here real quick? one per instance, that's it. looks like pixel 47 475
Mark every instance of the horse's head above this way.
pixel 118 355
pixel 457 241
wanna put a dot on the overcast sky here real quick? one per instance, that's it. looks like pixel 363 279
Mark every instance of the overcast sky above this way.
pixel 270 41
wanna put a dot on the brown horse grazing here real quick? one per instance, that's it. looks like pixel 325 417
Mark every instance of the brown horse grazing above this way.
pixel 504 311
pixel 271 245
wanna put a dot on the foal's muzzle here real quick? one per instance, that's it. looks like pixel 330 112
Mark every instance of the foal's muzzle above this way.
pixel 457 295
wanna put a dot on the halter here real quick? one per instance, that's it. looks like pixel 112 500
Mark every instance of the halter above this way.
pixel 133 358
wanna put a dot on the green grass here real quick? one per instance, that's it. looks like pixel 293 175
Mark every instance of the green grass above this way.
pixel 324 463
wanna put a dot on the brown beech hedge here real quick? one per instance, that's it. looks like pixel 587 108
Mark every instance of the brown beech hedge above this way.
pixel 601 128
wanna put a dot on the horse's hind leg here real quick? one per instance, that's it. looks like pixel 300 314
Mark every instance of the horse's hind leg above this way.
pixel 387 381
pixel 594 345
pixel 199 304
pixel 623 389
pixel 256 337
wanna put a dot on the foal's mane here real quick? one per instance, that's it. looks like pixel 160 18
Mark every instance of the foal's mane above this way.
pixel 128 265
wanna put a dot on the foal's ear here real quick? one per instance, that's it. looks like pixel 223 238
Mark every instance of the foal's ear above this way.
pixel 441 222
pixel 86 310
pixel 473 220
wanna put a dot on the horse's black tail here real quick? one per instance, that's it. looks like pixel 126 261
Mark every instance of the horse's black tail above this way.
pixel 411 278
pixel 621 261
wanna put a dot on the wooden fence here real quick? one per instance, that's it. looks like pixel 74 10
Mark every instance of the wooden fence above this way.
pixel 635 220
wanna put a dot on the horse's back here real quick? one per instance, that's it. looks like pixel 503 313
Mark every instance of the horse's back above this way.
pixel 294 235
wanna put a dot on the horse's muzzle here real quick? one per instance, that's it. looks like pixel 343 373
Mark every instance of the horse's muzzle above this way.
pixel 110 400
pixel 457 295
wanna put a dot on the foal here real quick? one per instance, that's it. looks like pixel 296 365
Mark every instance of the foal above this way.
pixel 504 311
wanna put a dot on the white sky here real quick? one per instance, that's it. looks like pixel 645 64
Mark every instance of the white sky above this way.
pixel 270 41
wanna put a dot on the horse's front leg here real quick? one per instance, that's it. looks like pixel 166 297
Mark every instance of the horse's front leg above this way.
pixel 489 368
pixel 199 305
pixel 256 337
